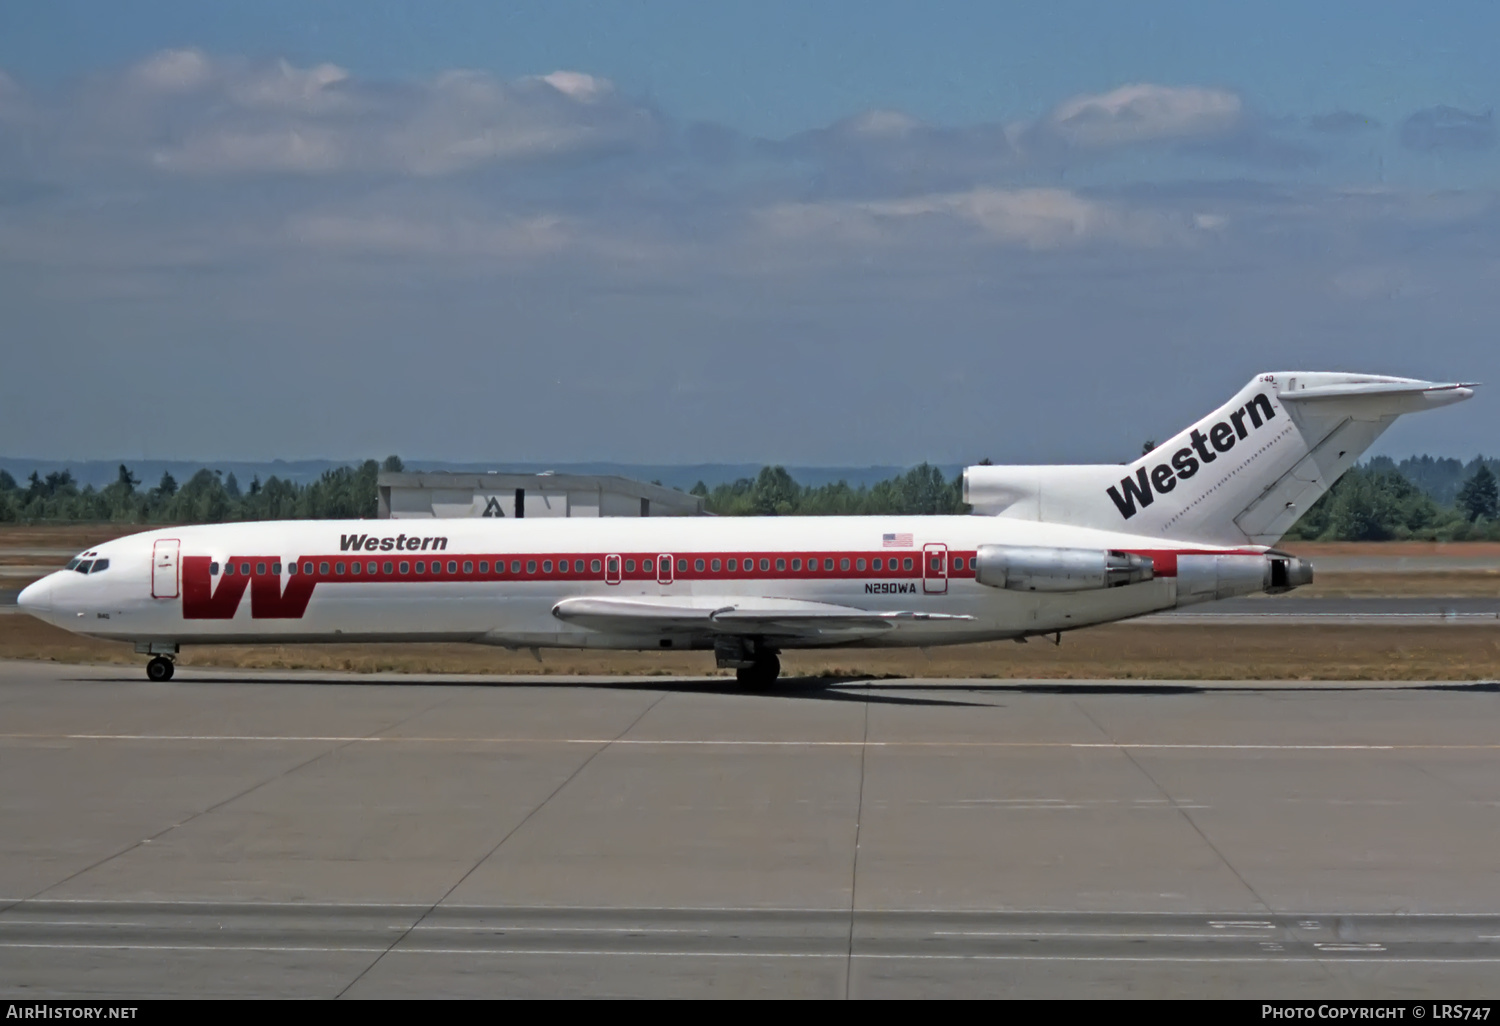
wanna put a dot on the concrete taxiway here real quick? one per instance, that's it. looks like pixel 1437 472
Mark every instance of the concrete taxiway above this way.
pixel 235 833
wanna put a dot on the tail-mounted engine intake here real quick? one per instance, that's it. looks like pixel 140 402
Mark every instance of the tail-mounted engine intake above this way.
pixel 1028 568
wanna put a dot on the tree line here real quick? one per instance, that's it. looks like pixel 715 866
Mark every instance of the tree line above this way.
pixel 1374 502
pixel 205 498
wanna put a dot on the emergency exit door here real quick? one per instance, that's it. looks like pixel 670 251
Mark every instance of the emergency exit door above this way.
pixel 164 568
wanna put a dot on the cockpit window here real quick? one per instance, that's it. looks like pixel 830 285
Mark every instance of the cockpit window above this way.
pixel 100 565
pixel 83 567
pixel 73 564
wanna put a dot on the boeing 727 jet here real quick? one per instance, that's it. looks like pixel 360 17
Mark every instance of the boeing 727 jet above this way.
pixel 1047 549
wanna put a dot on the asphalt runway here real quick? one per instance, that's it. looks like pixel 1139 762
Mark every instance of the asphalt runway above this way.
pixel 306 834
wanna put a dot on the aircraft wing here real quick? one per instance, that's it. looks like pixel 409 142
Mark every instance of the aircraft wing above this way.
pixel 732 616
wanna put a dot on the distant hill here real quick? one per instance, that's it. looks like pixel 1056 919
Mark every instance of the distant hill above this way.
pixel 102 472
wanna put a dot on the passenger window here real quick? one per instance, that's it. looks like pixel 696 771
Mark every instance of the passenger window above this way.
pixel 291 568
pixel 734 564
pixel 307 568
pixel 682 566
pixel 715 565
pixel 648 565
pixel 354 568
pixel 958 563
pixel 229 569
pixel 531 566
pixel 84 567
pixel 935 564
pixel 781 564
pixel 859 564
pixel 405 567
pixel 322 568
pixel 213 569
pixel 906 563
pixel 372 567
pixel 452 567
pixel 698 565
pixel 595 566
pixel 484 566
pixel 515 566
pixel 796 564
pixel 338 568
pixel 276 569
pixel 877 564
pixel 844 563
pixel 828 564
pixel 546 566
pixel 765 564
pixel 421 566
pixel 630 566
pixel 245 569
pixel 468 566
pixel 260 569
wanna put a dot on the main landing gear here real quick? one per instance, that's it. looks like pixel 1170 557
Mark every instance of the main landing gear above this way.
pixel 160 668
pixel 754 662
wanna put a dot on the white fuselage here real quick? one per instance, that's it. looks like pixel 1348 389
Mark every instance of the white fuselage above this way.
pixel 501 581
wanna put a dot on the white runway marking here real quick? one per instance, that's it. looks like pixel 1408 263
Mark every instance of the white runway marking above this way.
pixel 665 743
pixel 554 952
pixel 1070 935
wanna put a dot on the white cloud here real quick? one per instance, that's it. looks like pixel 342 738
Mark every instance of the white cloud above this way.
pixel 578 86
pixel 1034 218
pixel 1143 113
pixel 172 71
pixel 187 112
pixel 443 238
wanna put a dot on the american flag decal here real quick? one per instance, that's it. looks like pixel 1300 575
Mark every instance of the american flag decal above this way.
pixel 895 541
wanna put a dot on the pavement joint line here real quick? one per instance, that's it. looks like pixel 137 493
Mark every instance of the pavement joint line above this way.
pixel 1176 804
pixel 206 810
pixel 885 956
pixel 859 809
pixel 705 743
pixel 500 843
pixel 1211 916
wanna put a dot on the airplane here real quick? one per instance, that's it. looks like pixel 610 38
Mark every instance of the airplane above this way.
pixel 1047 549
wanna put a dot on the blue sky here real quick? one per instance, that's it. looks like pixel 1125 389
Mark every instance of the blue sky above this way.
pixel 803 232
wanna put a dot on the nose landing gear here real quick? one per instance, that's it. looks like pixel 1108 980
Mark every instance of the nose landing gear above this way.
pixel 160 668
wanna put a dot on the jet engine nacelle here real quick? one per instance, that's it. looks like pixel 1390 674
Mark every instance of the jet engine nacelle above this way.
pixel 1029 568
pixel 1205 578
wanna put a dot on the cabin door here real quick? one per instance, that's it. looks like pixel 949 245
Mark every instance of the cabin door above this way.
pixel 164 568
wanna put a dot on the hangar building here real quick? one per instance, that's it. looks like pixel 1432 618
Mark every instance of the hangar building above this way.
pixel 428 494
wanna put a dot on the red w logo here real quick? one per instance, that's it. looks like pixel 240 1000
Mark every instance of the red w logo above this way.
pixel 202 601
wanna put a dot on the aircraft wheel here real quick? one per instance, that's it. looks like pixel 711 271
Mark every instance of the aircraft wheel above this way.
pixel 160 668
pixel 763 674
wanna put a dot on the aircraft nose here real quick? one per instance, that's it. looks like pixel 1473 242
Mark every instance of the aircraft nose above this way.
pixel 36 598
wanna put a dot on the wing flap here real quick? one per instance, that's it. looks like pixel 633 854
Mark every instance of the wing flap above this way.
pixel 734 616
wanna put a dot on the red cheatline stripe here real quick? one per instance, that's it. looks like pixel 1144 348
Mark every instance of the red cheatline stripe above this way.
pixel 685 566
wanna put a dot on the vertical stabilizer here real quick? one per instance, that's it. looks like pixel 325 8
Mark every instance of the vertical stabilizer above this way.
pixel 1241 475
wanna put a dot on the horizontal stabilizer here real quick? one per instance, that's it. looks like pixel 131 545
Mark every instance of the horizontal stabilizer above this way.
pixel 733 616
